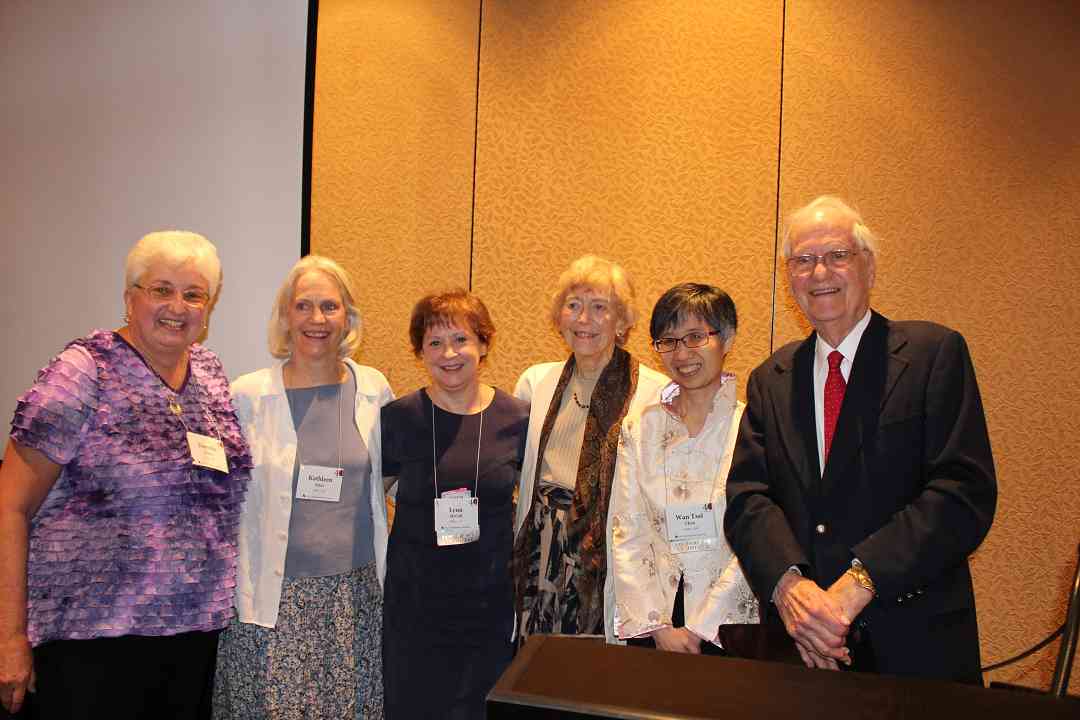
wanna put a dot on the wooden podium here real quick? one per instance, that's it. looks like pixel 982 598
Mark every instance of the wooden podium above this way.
pixel 569 677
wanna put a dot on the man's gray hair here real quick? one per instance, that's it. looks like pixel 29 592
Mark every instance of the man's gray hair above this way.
pixel 864 237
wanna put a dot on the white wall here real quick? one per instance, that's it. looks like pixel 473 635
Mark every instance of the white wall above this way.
pixel 123 117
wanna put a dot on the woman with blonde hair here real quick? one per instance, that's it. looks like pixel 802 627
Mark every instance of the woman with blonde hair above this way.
pixel 306 642
pixel 561 548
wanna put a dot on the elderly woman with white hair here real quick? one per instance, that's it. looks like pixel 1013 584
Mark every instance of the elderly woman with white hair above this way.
pixel 120 494
pixel 561 548
pixel 313 534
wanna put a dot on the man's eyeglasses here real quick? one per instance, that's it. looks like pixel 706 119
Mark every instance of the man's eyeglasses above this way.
pixel 192 297
pixel 695 339
pixel 803 265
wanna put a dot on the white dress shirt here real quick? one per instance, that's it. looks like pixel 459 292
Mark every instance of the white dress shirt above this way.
pixel 848 346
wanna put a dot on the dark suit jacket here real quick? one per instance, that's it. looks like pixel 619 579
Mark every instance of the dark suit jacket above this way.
pixel 908 488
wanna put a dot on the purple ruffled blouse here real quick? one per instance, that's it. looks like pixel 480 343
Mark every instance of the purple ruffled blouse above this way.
pixel 133 539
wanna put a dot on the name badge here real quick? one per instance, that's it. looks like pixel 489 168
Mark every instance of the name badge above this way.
pixel 691 527
pixel 207 452
pixel 316 482
pixel 457 519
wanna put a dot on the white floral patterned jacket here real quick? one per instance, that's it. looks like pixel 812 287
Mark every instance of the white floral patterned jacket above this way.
pixel 660 465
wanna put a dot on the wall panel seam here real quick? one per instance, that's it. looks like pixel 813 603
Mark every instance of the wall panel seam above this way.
pixel 476 134
pixel 309 128
pixel 779 167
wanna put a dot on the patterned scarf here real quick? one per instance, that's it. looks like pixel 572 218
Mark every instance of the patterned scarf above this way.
pixel 586 531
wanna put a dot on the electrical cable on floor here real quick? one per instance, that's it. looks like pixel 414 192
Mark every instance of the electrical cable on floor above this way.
pixel 1036 648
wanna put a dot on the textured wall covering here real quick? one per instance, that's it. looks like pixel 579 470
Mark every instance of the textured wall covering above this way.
pixel 953 128
pixel 644 132
pixel 647 132
pixel 392 159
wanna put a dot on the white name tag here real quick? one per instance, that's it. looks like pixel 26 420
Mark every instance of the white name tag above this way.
pixel 316 482
pixel 207 452
pixel 691 527
pixel 457 519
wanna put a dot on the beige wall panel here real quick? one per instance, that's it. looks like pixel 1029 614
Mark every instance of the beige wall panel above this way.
pixel 392 159
pixel 644 132
pixel 952 126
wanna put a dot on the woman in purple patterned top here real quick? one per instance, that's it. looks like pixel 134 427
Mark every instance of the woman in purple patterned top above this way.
pixel 120 496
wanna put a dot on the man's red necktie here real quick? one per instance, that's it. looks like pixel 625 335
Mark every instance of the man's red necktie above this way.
pixel 834 397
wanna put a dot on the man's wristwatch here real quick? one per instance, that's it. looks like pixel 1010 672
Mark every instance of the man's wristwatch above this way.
pixel 858 571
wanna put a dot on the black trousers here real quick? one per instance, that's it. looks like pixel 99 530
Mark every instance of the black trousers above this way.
pixel 678 619
pixel 131 676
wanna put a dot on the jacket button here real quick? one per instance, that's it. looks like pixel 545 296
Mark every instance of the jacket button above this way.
pixel 820 529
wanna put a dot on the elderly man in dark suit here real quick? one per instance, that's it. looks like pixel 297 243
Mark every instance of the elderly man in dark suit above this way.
pixel 862 478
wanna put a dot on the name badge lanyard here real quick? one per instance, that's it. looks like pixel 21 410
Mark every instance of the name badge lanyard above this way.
pixel 690 526
pixel 206 451
pixel 316 482
pixel 467 528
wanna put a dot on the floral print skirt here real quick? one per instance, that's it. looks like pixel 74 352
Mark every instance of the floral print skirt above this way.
pixel 551 601
pixel 322 661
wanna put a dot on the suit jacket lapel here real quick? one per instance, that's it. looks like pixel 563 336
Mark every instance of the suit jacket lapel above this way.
pixel 873 376
pixel 796 417
pixel 897 362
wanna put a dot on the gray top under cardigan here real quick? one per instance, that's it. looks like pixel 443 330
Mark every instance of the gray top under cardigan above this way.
pixel 329 538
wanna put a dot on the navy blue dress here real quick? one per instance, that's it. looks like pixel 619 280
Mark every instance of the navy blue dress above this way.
pixel 448 612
